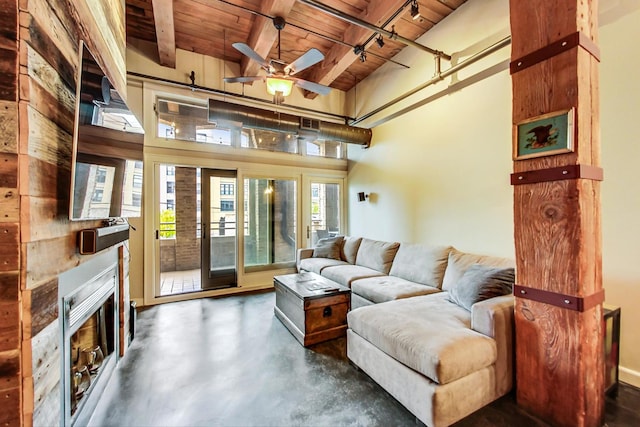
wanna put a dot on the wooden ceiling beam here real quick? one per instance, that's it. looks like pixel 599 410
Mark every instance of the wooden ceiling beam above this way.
pixel 165 32
pixel 263 34
pixel 340 57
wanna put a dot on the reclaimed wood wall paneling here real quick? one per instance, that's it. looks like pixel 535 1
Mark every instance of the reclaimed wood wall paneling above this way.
pixel 8 127
pixel 43 304
pixel 46 367
pixel 9 205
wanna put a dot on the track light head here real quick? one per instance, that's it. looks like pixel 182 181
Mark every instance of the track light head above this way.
pixel 380 41
pixel 363 56
pixel 415 10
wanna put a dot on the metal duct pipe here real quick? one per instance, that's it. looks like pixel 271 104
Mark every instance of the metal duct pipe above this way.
pixel 257 118
pixel 344 133
pixel 359 22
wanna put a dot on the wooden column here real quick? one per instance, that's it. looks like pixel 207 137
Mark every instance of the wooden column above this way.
pixel 559 319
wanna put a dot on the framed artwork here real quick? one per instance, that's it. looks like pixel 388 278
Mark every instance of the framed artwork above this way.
pixel 544 135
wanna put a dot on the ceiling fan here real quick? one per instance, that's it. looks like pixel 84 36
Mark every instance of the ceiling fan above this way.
pixel 280 75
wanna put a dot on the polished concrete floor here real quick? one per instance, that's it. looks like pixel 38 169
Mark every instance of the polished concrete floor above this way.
pixel 230 362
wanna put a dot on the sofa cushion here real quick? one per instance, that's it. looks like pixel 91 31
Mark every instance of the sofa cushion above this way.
pixel 388 288
pixel 428 333
pixel 481 282
pixel 316 265
pixel 459 262
pixel 350 249
pixel 377 255
pixel 347 273
pixel 421 263
pixel 329 247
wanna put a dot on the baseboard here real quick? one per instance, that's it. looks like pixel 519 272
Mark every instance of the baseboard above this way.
pixel 629 376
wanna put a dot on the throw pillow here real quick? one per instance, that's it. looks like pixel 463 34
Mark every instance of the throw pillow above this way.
pixel 328 247
pixel 350 249
pixel 481 282
pixel 459 262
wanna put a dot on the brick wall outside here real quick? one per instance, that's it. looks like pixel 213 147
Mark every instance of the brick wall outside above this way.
pixel 167 255
pixel 187 255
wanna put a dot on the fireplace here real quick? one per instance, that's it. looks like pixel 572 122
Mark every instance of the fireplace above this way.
pixel 88 302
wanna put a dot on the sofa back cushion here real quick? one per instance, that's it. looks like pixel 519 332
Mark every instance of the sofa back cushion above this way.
pixel 377 255
pixel 459 262
pixel 350 247
pixel 329 247
pixel 422 264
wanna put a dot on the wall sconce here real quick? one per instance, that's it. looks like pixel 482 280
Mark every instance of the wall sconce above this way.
pixel 362 197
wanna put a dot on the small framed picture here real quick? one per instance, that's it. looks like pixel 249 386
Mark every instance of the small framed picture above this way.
pixel 544 135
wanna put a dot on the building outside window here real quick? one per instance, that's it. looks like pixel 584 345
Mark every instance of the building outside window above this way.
pixel 226 189
pixel 97 196
pixel 101 175
pixel 137 180
pixel 227 205
pixel 171 187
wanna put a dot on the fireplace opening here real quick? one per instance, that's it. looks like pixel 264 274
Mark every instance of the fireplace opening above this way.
pixel 92 346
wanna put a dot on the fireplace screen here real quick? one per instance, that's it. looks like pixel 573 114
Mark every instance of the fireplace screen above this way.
pixel 89 308
pixel 91 345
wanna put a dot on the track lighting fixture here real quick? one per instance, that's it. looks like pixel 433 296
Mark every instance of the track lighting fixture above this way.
pixel 415 10
pixel 380 40
pixel 359 50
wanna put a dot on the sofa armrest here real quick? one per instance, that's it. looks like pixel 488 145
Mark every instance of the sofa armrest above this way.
pixel 303 253
pixel 494 318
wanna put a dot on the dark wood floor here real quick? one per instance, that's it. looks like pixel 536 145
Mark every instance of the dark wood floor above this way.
pixel 230 362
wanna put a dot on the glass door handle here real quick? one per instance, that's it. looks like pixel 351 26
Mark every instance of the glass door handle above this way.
pixel 308 232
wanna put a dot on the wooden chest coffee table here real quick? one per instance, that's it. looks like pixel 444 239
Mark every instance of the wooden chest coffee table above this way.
pixel 313 308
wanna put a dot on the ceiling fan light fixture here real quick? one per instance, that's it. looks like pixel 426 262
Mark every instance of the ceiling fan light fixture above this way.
pixel 275 85
pixel 415 10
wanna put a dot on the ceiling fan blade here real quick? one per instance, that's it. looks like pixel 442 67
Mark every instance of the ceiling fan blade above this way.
pixel 309 58
pixel 312 87
pixel 248 79
pixel 246 50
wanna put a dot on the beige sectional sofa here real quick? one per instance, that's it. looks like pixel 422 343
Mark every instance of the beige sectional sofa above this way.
pixel 432 325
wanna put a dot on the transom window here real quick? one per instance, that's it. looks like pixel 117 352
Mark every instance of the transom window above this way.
pixel 189 121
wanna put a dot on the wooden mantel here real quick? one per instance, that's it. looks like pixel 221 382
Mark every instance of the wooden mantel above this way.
pixel 559 343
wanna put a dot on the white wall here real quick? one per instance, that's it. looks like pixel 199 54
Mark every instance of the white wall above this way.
pixel 440 174
pixel 620 113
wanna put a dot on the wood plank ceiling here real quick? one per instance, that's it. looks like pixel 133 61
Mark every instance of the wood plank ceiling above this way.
pixel 209 27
